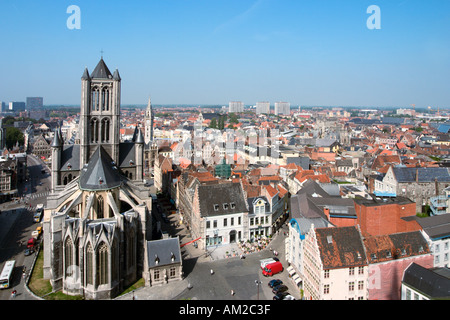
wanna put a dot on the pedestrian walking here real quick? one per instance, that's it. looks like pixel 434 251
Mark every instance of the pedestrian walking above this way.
pixel 212 272
pixel 13 293
pixel 232 292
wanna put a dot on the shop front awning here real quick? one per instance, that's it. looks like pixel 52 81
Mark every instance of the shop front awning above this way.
pixel 290 270
pixel 297 279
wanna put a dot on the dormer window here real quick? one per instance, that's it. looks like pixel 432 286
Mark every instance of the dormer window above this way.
pixel 216 207
pixel 156 259
pixel 69 166
pixel 131 162
pixel 225 206
pixel 100 180
pixel 232 205
pixel 172 256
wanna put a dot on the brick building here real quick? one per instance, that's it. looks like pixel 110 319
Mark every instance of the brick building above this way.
pixel 378 216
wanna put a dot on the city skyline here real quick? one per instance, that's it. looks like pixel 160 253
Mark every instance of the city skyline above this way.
pixel 211 53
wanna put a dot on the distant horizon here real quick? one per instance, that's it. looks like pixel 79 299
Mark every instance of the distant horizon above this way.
pixel 126 105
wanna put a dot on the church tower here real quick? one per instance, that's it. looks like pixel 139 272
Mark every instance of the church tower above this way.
pixel 148 123
pixel 100 112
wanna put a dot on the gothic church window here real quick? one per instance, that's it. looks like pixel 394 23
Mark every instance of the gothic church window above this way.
pixel 95 100
pixel 105 99
pixel 131 248
pixel 102 267
pixel 89 265
pixel 100 207
pixel 94 130
pixel 105 130
pixel 68 257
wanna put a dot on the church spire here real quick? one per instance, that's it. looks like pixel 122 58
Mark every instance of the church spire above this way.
pixel 148 122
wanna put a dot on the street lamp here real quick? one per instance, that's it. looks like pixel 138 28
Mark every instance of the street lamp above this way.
pixel 257 282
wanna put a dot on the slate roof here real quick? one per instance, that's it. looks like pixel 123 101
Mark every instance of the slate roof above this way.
pixel 70 155
pixel 100 173
pixel 444 128
pixel 434 282
pixel 300 161
pixel 436 227
pixel 310 201
pixel 251 200
pixel 212 199
pixel 407 174
pixel 101 71
pixel 163 250
pixel 341 247
pixel 375 201
pixel 126 154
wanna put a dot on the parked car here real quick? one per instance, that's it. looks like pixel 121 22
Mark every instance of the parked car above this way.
pixel 28 251
pixel 36 233
pixel 288 297
pixel 279 288
pixel 275 282
pixel 31 242
pixel 280 296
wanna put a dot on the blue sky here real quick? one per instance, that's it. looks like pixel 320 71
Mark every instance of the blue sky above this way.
pixel 315 52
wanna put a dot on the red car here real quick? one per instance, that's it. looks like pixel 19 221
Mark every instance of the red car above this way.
pixel 31 243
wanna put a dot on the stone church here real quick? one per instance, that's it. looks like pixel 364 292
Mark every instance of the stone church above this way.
pixel 97 222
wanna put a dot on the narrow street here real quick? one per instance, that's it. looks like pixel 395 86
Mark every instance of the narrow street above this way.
pixel 16 225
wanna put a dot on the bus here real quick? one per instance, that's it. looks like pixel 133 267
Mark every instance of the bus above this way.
pixel 6 274
pixel 38 214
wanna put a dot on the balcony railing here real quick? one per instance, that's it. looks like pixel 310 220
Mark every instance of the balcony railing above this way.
pixel 439 204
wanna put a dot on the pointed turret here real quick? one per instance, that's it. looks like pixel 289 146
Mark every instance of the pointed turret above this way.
pixel 85 75
pixel 116 75
pixel 140 137
pixel 56 143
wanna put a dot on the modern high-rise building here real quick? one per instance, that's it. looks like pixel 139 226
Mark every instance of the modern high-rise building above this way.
pixel 235 106
pixel 35 103
pixel 282 108
pixel 2 106
pixel 16 106
pixel 262 107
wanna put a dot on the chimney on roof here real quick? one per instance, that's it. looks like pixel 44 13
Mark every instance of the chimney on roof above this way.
pixel 417 175
pixel 326 210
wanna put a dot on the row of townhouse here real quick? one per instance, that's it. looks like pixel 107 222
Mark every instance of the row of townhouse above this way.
pixel 420 184
pixel 340 250
pixel 220 211
pixel 338 263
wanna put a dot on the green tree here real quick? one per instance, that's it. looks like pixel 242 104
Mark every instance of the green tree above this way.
pixel 233 118
pixel 221 123
pixel 213 123
pixel 12 136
